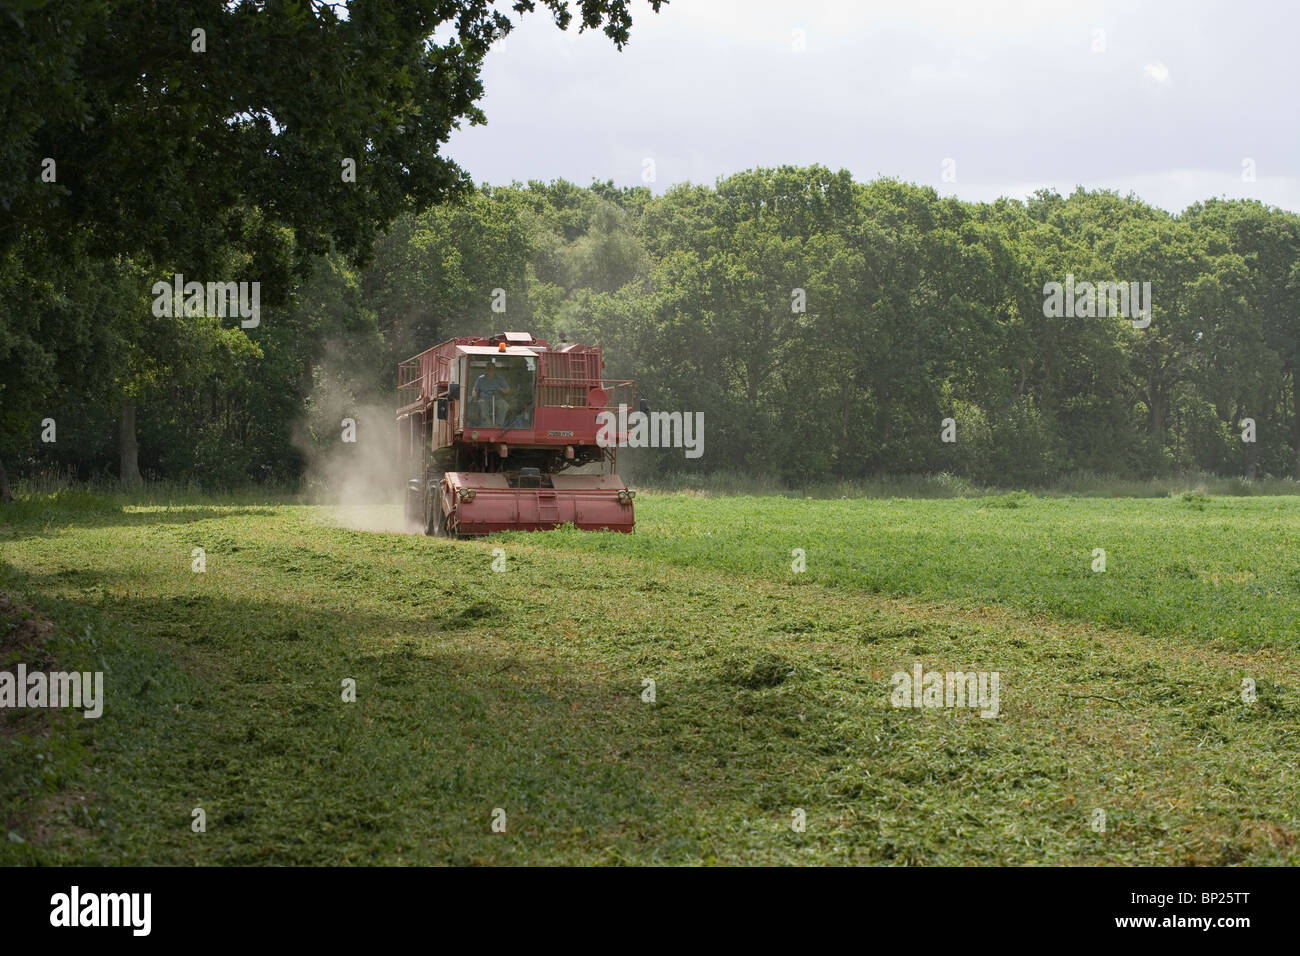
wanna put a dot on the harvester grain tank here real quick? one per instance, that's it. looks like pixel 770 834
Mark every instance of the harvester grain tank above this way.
pixel 499 434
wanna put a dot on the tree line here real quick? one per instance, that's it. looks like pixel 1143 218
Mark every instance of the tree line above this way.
pixel 827 329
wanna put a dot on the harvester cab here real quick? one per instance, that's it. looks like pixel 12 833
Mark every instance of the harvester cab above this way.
pixel 499 434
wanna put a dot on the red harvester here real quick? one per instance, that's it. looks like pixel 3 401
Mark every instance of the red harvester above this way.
pixel 494 432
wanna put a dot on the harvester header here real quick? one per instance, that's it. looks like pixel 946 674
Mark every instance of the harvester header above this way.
pixel 500 433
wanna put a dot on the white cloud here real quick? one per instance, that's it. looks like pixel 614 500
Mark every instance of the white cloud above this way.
pixel 1011 89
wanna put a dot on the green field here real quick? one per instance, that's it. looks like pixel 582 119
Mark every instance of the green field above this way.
pixel 522 690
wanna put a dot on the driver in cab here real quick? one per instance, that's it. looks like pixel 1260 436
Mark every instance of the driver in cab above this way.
pixel 486 387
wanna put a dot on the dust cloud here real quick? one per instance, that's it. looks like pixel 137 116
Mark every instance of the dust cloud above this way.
pixel 353 468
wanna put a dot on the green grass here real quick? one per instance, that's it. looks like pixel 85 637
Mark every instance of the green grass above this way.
pixel 1223 572
pixel 955 486
pixel 522 690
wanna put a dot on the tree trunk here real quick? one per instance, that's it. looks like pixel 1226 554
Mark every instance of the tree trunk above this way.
pixel 1156 413
pixel 1295 418
pixel 130 470
pixel 6 493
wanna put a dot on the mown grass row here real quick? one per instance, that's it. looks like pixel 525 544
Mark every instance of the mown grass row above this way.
pixel 524 690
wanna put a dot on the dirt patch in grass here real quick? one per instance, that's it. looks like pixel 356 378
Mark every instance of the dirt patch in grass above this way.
pixel 20 628
pixel 23 635
pixel 58 815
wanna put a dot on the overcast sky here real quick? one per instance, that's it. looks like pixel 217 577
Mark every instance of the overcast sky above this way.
pixel 1167 102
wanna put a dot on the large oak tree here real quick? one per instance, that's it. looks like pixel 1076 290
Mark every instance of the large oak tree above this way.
pixel 187 134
